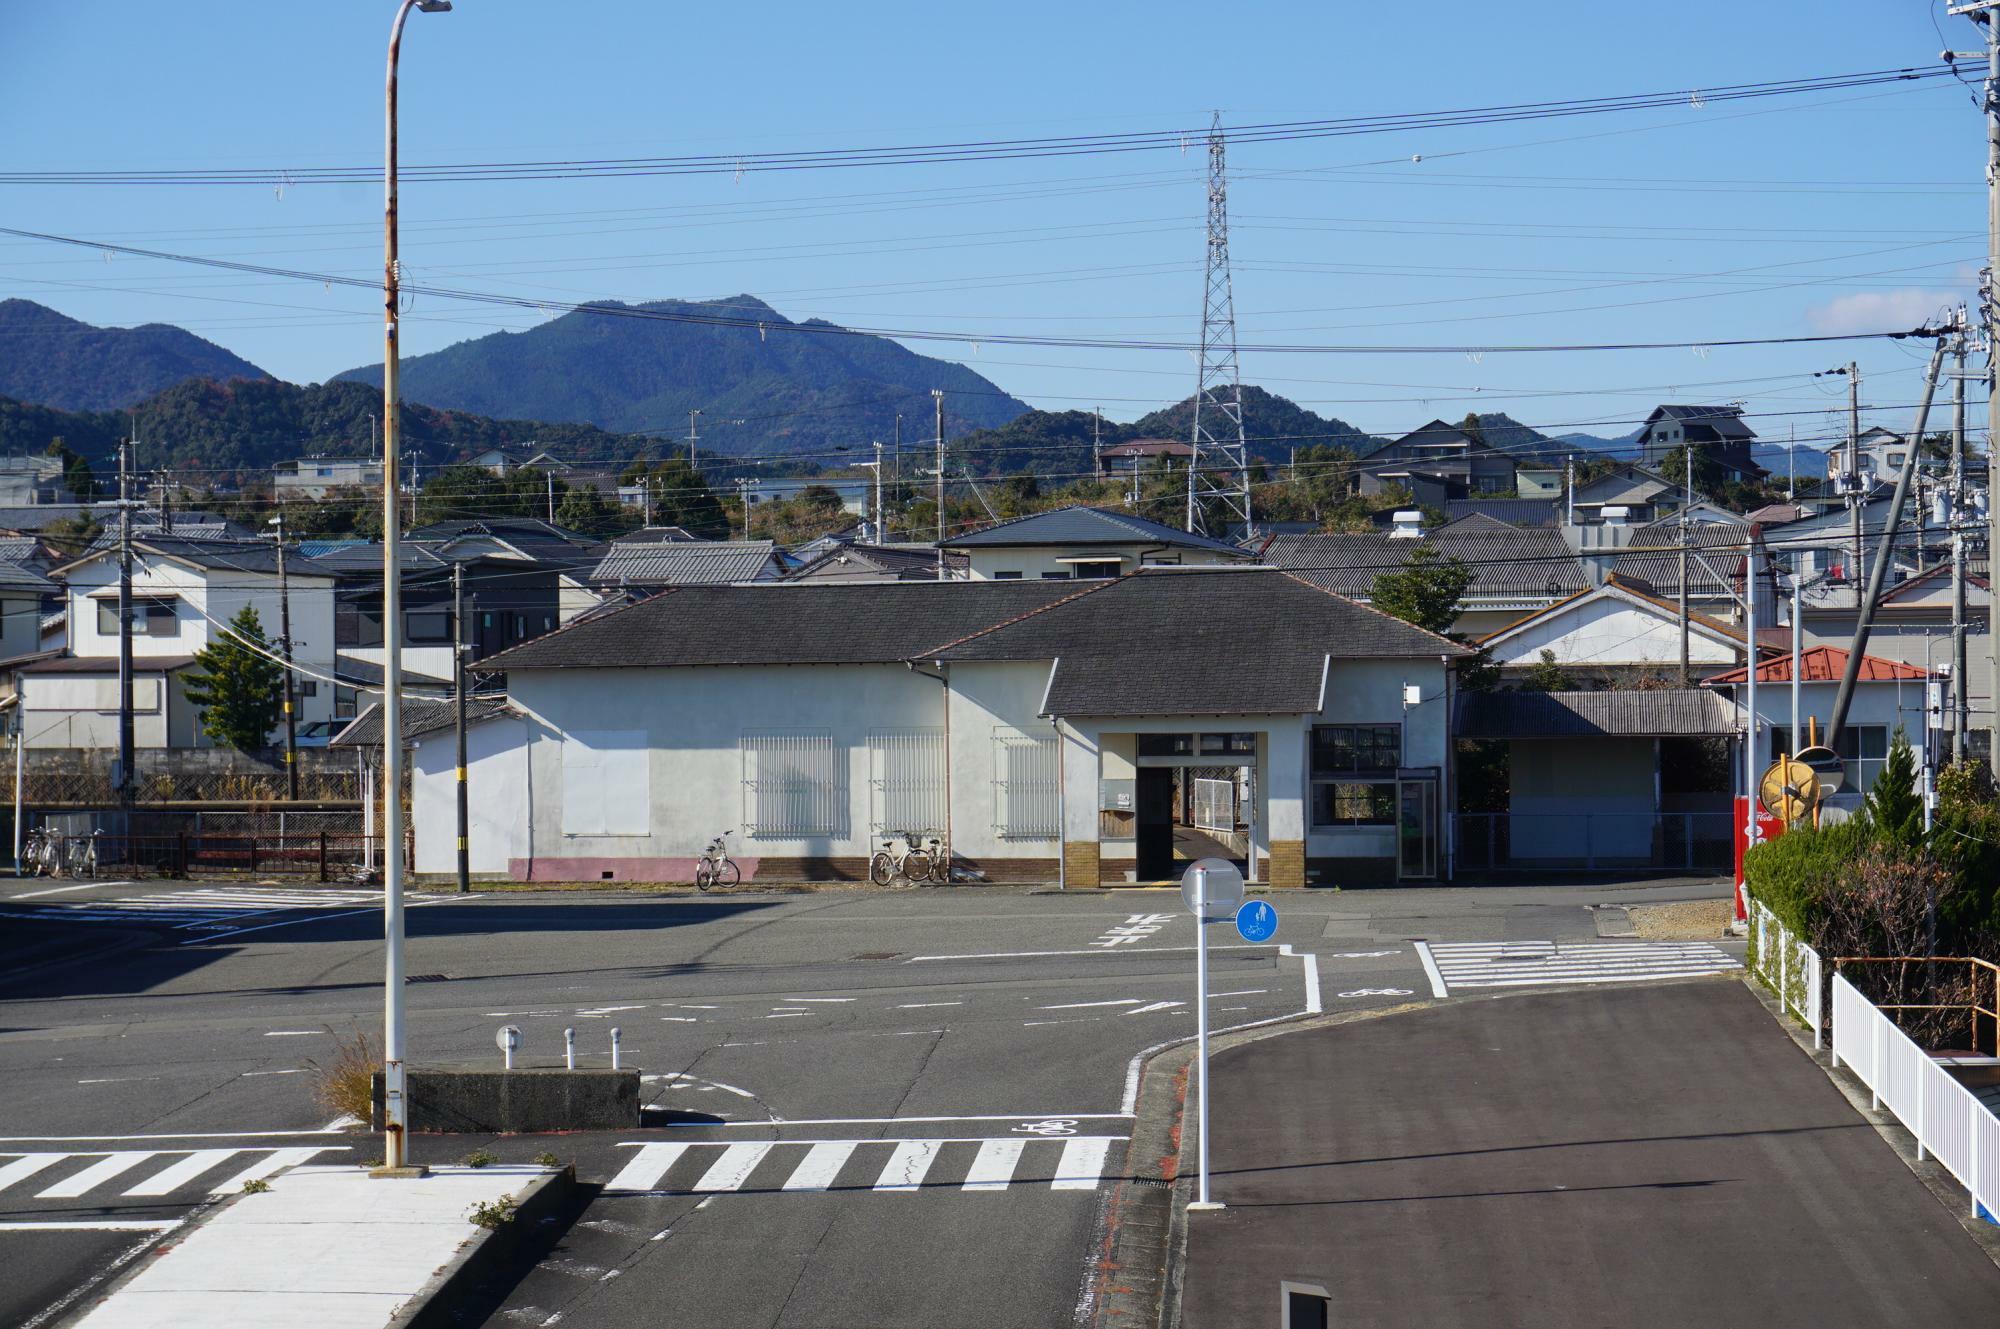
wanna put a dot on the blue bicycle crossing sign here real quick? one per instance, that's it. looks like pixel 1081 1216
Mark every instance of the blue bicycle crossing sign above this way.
pixel 1256 921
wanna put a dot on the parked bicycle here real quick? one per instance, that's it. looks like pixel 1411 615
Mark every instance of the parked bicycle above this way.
pixel 904 856
pixel 714 867
pixel 48 850
pixel 80 855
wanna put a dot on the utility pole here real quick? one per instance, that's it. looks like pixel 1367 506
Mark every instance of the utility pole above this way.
pixel 550 476
pixel 743 488
pixel 395 1113
pixel 881 536
pixel 1857 498
pixel 1219 449
pixel 937 400
pixel 125 625
pixel 1982 12
pixel 1797 632
pixel 693 437
pixel 1961 684
pixel 285 648
pixel 458 719
pixel 1687 501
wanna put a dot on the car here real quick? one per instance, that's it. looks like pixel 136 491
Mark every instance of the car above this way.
pixel 319 733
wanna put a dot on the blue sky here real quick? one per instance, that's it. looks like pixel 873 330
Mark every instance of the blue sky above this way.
pixel 1832 213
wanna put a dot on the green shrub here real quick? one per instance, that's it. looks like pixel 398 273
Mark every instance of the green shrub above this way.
pixel 1793 874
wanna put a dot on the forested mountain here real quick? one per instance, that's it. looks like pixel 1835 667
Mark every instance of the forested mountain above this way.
pixel 1060 442
pixel 51 359
pixel 762 385
pixel 225 431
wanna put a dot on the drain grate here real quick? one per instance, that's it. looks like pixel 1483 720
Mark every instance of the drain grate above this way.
pixel 428 978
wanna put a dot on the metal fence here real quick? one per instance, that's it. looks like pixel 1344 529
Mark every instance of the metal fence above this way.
pixel 1215 805
pixel 1594 841
pixel 325 856
pixel 1950 1123
pixel 1789 967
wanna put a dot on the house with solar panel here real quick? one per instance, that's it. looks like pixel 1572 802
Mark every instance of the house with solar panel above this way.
pixel 1718 432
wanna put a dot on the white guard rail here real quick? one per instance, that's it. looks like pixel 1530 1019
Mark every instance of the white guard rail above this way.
pixel 1949 1123
pixel 1789 967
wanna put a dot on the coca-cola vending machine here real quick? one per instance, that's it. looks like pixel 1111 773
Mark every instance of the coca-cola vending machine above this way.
pixel 1768 828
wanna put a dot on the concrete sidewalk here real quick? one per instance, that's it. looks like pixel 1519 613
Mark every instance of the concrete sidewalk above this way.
pixel 1654 1156
pixel 324 1248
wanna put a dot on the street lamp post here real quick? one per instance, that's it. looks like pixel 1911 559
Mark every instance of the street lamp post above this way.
pixel 395 1119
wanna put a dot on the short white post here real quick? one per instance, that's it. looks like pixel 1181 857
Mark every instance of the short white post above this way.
pixel 1201 1034
pixel 507 1053
pixel 569 1049
pixel 614 1047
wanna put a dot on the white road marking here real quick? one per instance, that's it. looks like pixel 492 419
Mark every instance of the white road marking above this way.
pixel 607 1010
pixel 279 1160
pixel 180 1174
pixel 829 1000
pixel 993 1166
pixel 734 1167
pixel 281 923
pixel 1085 1005
pixel 338 1125
pixel 925 1005
pixel 1082 1163
pixel 27 1165
pixel 908 1162
pixel 97 1225
pixel 1431 969
pixel 897 1121
pixel 1546 963
pixel 292 1033
pixel 647 1167
pixel 109 1166
pixel 1245 992
pixel 64 890
pixel 786 1015
pixel 823 1163
pixel 296 1070
pixel 682 1019
pixel 1156 1006
pixel 121 1079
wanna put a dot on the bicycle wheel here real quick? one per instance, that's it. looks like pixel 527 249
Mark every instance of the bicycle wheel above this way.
pixel 916 866
pixel 90 860
pixel 727 873
pixel 940 873
pixel 881 868
pixel 704 875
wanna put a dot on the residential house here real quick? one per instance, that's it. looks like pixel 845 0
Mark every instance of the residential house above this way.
pixel 1644 495
pixel 1436 462
pixel 184 593
pixel 27 481
pixel 856 495
pixel 316 477
pixel 858 561
pixel 1082 543
pixel 1718 432
pixel 1614 636
pixel 1539 479
pixel 1882 453
pixel 1515 570
pixel 1035 727
pixel 1888 696
pixel 1141 454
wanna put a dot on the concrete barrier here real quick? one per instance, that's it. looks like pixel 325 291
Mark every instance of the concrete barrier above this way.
pixel 488 1100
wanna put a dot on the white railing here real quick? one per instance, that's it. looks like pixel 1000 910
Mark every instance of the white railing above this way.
pixel 1789 968
pixel 1949 1122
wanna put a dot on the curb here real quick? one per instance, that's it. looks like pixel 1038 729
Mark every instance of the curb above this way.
pixel 1941 1184
pixel 488 1254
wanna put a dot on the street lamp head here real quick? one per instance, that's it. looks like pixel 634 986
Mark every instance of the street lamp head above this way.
pixel 434 6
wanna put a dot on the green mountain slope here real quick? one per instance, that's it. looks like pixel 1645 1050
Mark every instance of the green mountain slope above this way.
pixel 761 390
pixel 54 360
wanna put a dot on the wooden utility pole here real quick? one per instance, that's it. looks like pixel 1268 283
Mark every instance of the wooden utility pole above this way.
pixel 458 720
pixel 937 398
pixel 285 648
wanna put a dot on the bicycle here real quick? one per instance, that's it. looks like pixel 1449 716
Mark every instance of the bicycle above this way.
pixel 47 851
pixel 715 867
pixel 80 855
pixel 31 852
pixel 900 857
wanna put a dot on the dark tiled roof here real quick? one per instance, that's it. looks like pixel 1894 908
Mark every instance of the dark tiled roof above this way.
pixel 1196 641
pixel 1083 526
pixel 883 622
pixel 18 577
pixel 1666 712
pixel 108 664
pixel 911 562
pixel 419 719
pixel 1653 558
pixel 354 671
pixel 1726 421
pixel 683 562
pixel 1505 560
pixel 349 560
pixel 1512 511
pixel 217 555
pixel 510 529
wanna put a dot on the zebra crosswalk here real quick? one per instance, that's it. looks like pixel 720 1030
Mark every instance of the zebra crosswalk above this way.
pixel 973 1165
pixel 1541 963
pixel 187 1174
pixel 211 906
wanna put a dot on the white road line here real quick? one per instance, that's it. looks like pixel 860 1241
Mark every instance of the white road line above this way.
pixel 101 1171
pixel 650 1164
pixel 1136 950
pixel 27 1165
pixel 97 1225
pixel 1156 1006
pixel 786 1015
pixel 734 1167
pixel 829 1000
pixel 1431 970
pixel 1311 962
pixel 908 1162
pixel 121 1079
pixel 338 1125
pixel 682 1019
pixel 291 1033
pixel 993 1166
pixel 279 1160
pixel 180 1174
pixel 926 1005
pixel 1246 992
pixel 1593 978
pixel 296 1070
pixel 1081 1165
pixel 897 1121
pixel 1086 1005
pixel 58 890
pixel 281 923
pixel 822 1164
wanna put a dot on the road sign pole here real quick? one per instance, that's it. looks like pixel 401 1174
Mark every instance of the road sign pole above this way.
pixel 1201 1030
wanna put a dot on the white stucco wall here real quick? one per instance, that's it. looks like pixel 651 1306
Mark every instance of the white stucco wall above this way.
pixel 1371 692
pixel 1611 631
pixel 497 797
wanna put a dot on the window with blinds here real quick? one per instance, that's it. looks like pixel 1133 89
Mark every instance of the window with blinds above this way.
pixel 792 786
pixel 906 781
pixel 1026 772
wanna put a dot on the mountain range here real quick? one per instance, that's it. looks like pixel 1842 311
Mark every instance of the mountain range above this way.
pixel 763 383
pixel 54 360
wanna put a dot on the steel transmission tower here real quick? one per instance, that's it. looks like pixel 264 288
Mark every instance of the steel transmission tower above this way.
pixel 1219 470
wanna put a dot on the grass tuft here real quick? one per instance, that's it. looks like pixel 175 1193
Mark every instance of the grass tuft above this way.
pixel 345 1085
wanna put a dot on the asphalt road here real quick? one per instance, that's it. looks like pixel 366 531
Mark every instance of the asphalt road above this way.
pixel 870 1108
pixel 1643 1156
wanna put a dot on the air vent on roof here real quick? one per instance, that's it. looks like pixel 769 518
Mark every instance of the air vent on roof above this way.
pixel 1409 525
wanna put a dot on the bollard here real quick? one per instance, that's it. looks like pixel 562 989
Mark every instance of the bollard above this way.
pixel 614 1047
pixel 508 1037
pixel 569 1049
